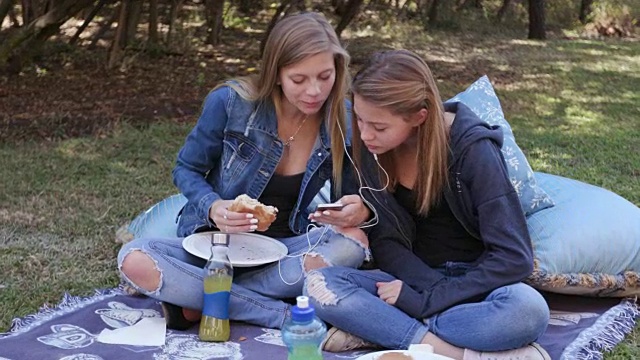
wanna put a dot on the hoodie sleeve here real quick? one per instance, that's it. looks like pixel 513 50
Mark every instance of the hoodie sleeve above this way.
pixel 201 151
pixel 508 256
pixel 398 260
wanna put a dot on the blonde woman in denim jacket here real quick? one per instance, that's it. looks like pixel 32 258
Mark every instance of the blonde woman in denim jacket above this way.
pixel 277 137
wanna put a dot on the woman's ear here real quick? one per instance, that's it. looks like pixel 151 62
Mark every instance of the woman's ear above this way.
pixel 419 117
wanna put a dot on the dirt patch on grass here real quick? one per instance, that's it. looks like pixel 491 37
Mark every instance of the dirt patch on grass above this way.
pixel 19 217
pixel 70 93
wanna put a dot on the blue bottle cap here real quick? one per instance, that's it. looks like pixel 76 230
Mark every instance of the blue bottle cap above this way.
pixel 302 311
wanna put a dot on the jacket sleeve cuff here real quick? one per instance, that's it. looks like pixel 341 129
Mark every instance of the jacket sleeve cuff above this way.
pixel 205 204
pixel 410 301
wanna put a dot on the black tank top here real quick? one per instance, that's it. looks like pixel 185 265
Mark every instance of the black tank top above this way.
pixel 282 192
pixel 439 236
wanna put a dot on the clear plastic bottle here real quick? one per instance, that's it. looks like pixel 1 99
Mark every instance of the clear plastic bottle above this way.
pixel 303 332
pixel 218 274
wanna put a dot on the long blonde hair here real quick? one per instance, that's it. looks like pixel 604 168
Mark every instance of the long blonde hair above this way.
pixel 401 82
pixel 293 39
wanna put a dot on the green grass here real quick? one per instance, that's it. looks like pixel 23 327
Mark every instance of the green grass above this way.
pixel 62 203
pixel 573 104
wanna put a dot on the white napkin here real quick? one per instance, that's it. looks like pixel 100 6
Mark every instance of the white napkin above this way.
pixel 147 332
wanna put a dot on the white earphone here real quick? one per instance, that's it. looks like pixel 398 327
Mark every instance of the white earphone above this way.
pixel 373 221
pixel 370 223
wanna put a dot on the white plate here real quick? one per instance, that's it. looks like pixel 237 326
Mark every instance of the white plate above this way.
pixel 416 355
pixel 245 249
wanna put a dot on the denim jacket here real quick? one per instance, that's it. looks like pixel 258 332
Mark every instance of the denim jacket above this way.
pixel 234 149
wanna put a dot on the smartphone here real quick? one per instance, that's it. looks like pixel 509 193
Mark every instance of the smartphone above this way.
pixel 331 206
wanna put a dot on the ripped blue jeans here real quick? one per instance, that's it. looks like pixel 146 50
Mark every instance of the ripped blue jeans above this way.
pixel 509 317
pixel 256 292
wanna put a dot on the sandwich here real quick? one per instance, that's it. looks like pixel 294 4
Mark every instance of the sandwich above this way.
pixel 265 214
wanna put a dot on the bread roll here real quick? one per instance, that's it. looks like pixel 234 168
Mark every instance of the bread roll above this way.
pixel 264 213
pixel 394 356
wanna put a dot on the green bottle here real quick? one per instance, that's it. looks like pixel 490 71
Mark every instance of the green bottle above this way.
pixel 218 275
pixel 304 332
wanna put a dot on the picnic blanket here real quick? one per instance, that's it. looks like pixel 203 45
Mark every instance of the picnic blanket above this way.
pixel 580 328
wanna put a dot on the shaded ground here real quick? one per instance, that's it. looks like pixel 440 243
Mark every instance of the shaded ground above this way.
pixel 70 93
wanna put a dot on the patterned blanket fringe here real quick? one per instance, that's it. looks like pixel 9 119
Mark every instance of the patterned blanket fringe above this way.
pixel 68 304
pixel 607 332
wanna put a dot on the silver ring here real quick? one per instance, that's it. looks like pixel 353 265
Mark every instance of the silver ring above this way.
pixel 225 214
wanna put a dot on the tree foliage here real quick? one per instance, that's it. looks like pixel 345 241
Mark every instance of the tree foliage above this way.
pixel 159 25
pixel 31 36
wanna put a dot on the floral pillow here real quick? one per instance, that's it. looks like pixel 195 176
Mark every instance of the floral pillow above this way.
pixel 481 98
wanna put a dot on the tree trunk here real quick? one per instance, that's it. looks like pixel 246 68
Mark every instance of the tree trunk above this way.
pixel 5 6
pixel 351 10
pixel 133 19
pixel 27 12
pixel 153 21
pixel 249 7
pixel 48 5
pixel 104 27
pixel 122 31
pixel 423 12
pixel 115 53
pixel 213 13
pixel 285 8
pixel 173 17
pixel 14 18
pixel 85 13
pixel 17 48
pixel 339 6
pixel 88 19
pixel 536 20
pixel 432 14
pixel 33 9
pixel 503 10
pixel 586 6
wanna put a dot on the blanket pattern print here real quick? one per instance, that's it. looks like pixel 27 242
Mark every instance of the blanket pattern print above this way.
pixel 580 328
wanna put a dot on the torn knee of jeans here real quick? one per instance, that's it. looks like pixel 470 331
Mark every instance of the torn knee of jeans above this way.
pixel 135 270
pixel 318 290
pixel 314 261
pixel 358 236
pixel 367 254
pixel 354 234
